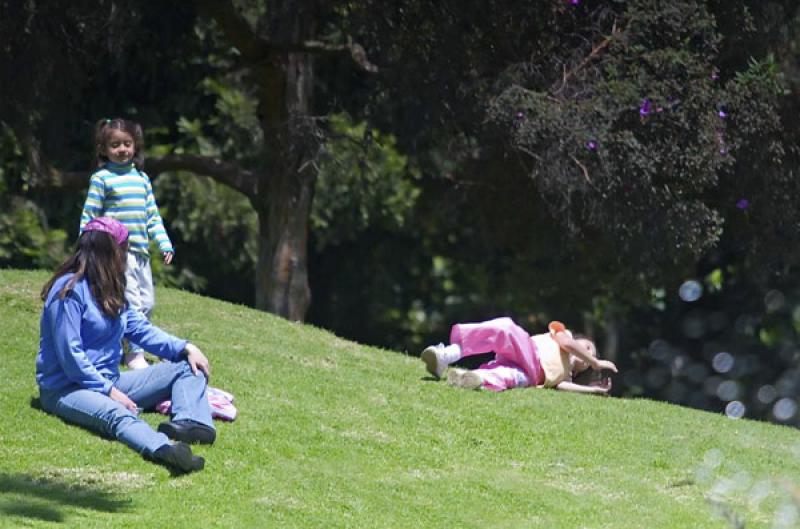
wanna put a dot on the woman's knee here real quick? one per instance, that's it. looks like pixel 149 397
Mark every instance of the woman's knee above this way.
pixel 186 371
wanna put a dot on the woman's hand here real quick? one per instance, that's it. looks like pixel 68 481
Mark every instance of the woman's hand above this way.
pixel 123 399
pixel 197 360
pixel 168 257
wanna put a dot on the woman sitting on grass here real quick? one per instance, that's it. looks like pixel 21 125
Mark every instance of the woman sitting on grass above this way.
pixel 549 360
pixel 84 320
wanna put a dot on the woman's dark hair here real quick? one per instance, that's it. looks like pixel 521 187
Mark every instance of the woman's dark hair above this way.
pixel 102 261
pixel 102 131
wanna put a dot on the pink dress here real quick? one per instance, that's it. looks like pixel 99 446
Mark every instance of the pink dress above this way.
pixel 514 350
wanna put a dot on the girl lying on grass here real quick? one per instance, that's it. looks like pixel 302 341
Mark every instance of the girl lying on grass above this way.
pixel 84 320
pixel 549 360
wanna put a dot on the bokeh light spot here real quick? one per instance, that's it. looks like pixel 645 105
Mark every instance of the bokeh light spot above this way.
pixel 713 458
pixel 735 409
pixel 786 516
pixel 766 394
pixel 774 300
pixel 690 290
pixel 723 362
pixel 784 409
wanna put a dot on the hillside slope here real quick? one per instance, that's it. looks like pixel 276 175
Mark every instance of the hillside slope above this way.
pixel 336 434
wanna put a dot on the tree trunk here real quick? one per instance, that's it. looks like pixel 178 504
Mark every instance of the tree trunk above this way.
pixel 284 204
pixel 282 266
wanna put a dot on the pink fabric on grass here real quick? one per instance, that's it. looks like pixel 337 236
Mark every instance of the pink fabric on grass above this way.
pixel 511 344
pixel 497 377
pixel 221 403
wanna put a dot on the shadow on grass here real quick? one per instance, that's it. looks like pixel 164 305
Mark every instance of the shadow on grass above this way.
pixel 44 498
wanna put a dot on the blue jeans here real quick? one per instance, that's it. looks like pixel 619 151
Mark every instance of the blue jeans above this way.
pixel 146 387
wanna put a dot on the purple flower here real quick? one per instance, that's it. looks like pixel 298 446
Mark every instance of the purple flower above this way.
pixel 644 107
pixel 723 150
pixel 714 75
pixel 574 2
pixel 520 115
pixel 722 114
pixel 591 145
pixel 742 203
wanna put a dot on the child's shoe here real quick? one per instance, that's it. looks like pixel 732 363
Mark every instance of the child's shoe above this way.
pixel 464 378
pixel 438 357
pixel 136 360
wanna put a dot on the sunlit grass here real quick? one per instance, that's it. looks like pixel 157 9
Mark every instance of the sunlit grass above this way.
pixel 336 434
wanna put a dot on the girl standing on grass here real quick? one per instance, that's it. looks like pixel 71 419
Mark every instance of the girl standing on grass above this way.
pixel 120 189
pixel 84 320
pixel 549 360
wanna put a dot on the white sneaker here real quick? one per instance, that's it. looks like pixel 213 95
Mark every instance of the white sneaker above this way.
pixel 438 357
pixel 464 378
pixel 136 361
pixel 434 361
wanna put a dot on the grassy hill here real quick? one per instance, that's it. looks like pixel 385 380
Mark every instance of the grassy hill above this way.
pixel 336 434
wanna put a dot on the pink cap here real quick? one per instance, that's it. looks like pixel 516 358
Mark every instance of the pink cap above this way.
pixel 111 226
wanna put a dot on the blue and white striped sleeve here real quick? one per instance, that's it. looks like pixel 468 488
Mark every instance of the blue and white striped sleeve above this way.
pixel 155 224
pixel 95 200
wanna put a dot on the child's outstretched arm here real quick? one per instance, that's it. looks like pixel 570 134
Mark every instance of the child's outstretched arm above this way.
pixel 575 347
pixel 155 224
pixel 601 389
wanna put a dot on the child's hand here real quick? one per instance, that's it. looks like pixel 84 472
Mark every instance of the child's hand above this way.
pixel 168 257
pixel 603 387
pixel 605 364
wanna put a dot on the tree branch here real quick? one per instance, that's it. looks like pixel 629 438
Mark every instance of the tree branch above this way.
pixel 356 50
pixel 596 50
pixel 227 173
pixel 46 176
pixel 585 171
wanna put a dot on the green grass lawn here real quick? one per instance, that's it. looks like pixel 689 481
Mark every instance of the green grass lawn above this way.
pixel 336 434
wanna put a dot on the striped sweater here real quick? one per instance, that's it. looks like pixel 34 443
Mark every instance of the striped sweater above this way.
pixel 123 192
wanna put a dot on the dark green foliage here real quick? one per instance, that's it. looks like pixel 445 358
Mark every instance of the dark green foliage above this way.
pixel 213 229
pixel 626 144
pixel 26 237
pixel 363 182
pixel 25 241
